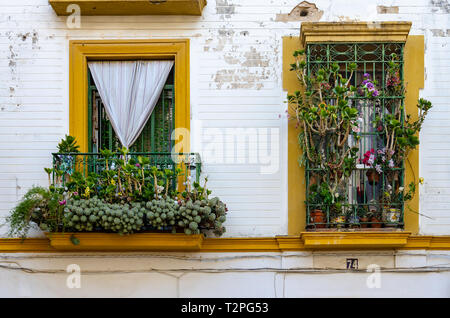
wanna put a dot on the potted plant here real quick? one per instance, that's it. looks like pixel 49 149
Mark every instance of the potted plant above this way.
pixel 362 214
pixel 128 196
pixel 393 200
pixel 319 197
pixel 328 124
pixel 338 215
pixel 375 219
pixel 377 161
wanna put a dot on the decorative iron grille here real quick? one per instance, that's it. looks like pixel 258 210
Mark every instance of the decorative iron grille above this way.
pixel 364 204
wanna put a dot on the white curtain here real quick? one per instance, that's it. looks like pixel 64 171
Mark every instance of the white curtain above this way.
pixel 129 90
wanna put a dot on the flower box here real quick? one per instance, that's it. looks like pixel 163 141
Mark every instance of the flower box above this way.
pixel 132 242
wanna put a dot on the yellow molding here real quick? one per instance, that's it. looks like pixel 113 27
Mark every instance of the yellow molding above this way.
pixel 267 244
pixel 414 74
pixel 81 51
pixel 296 175
pixel 115 242
pixel 346 240
pixel 31 245
pixel 307 241
pixel 130 7
pixel 313 32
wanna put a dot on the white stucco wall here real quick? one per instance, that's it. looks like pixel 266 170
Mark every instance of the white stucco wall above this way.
pixel 236 63
pixel 261 275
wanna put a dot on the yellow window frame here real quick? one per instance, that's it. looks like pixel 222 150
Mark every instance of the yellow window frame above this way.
pixel 414 78
pixel 82 51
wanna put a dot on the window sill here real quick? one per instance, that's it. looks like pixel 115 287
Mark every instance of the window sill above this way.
pixel 352 240
pixel 134 242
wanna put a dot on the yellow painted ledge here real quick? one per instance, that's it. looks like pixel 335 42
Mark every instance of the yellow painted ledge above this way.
pixel 134 242
pixel 130 7
pixel 307 241
pixel 346 240
pixel 385 31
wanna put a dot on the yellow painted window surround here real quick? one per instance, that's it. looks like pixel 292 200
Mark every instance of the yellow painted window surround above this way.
pixel 83 51
pixel 414 79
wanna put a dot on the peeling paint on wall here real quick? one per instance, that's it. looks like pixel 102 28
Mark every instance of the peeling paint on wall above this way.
pixel 304 11
pixel 443 5
pixel 240 79
pixel 440 32
pixel 387 10
pixel 223 7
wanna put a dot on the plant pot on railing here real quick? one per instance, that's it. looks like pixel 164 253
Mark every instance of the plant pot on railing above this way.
pixel 318 218
pixel 364 222
pixel 391 216
pixel 354 221
pixel 376 222
pixel 339 221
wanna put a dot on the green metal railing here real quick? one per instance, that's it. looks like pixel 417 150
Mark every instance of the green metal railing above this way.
pixel 362 196
pixel 86 163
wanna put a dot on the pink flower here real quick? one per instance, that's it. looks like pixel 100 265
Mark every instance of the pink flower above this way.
pixel 378 169
pixel 391 163
pixel 356 129
pixel 75 193
pixel 63 202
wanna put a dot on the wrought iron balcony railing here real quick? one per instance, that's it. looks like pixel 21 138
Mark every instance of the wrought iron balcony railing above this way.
pixel 67 163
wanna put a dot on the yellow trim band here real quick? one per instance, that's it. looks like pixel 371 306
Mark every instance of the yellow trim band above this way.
pixel 396 31
pixel 307 241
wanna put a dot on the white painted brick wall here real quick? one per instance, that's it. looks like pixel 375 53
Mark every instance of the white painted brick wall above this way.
pixel 227 275
pixel 244 49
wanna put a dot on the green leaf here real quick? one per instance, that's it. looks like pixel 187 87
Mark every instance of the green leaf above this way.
pixel 74 240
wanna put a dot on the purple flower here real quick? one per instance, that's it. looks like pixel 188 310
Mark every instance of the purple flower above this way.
pixel 138 165
pixel 75 193
pixel 378 169
pixel 366 75
pixel 370 85
pixel 365 82
pixel 375 93
pixel 391 163
pixel 62 202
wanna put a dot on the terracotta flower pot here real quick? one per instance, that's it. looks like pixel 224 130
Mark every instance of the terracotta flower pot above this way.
pixel 375 225
pixel 372 177
pixel 363 220
pixel 317 216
